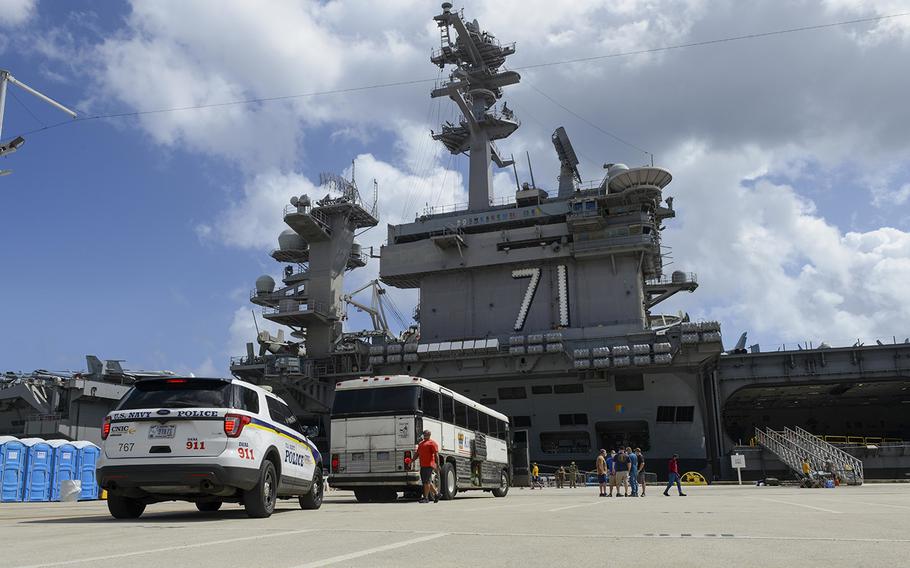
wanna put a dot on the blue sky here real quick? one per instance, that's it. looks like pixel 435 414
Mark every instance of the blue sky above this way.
pixel 139 238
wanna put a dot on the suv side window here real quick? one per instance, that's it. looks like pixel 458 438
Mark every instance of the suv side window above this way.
pixel 246 399
pixel 281 414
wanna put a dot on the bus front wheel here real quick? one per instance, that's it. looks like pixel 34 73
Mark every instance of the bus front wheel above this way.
pixel 449 482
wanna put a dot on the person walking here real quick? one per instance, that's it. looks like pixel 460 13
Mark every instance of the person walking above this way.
pixel 673 476
pixel 601 465
pixel 560 477
pixel 427 453
pixel 641 471
pixel 621 464
pixel 573 475
pixel 633 471
pixel 535 476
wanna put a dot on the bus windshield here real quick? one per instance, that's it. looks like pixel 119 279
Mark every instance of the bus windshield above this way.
pixel 383 400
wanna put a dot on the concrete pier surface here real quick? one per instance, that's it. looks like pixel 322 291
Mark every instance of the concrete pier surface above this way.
pixel 727 526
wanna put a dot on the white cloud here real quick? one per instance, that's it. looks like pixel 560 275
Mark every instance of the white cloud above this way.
pixel 768 263
pixel 16 12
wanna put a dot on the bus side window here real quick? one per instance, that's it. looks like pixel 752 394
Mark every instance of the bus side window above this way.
pixel 461 414
pixel 448 412
pixel 484 423
pixel 501 429
pixel 430 403
pixel 473 419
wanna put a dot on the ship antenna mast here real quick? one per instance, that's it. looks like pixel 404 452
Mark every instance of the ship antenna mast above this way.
pixel 474 85
pixel 531 170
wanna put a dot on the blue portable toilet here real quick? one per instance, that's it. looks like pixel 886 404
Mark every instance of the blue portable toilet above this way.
pixel 85 468
pixel 37 470
pixel 63 466
pixel 13 454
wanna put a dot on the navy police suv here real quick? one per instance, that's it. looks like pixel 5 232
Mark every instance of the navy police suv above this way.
pixel 207 441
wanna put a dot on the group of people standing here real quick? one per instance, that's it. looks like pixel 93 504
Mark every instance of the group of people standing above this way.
pixel 623 468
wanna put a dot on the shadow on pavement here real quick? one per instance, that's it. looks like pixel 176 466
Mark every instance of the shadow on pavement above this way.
pixel 151 517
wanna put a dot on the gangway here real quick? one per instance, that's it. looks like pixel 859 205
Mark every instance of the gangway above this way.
pixel 791 446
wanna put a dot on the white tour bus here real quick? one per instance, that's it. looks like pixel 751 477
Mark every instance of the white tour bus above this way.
pixel 377 422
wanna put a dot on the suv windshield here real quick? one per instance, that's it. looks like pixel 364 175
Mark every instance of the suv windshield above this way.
pixel 169 393
pixel 383 400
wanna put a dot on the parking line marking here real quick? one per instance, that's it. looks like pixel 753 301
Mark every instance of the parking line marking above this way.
pixel 496 507
pixel 165 549
pixel 796 504
pixel 367 552
pixel 573 506
pixel 882 505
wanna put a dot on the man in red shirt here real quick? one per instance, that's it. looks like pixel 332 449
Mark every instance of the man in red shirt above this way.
pixel 673 476
pixel 427 451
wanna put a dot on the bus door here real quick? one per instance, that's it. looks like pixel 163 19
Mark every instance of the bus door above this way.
pixel 447 441
pixel 521 461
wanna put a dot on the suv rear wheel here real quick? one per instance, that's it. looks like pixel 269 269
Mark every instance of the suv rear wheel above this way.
pixel 124 507
pixel 208 506
pixel 313 499
pixel 259 501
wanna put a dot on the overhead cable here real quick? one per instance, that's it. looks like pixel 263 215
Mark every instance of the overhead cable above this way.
pixel 260 100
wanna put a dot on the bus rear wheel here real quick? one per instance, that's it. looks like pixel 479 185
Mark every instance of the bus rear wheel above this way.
pixel 449 482
pixel 503 488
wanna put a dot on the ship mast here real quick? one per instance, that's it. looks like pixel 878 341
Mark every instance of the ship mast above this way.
pixel 475 85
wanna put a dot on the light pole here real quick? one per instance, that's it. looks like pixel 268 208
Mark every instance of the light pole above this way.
pixel 7 78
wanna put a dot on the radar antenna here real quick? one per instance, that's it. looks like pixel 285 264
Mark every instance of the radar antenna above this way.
pixel 335 183
pixel 568 162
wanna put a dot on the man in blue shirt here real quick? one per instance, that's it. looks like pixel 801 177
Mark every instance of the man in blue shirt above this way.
pixel 621 465
pixel 611 478
pixel 633 471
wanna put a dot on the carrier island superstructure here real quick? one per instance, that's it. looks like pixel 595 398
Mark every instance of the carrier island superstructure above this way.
pixel 545 307
pixel 542 307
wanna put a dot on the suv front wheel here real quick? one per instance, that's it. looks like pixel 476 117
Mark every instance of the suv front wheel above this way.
pixel 259 501
pixel 313 499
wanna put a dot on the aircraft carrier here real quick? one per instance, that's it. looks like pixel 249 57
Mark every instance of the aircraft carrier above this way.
pixel 545 307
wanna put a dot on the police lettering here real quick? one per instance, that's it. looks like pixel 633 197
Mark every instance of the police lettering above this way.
pixel 294 458
pixel 197 413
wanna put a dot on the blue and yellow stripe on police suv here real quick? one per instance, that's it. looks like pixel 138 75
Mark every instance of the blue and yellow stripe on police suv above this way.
pixel 268 427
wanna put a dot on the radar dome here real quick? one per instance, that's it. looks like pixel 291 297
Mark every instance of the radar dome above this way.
pixel 265 284
pixel 289 240
pixel 617 169
pixel 678 277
